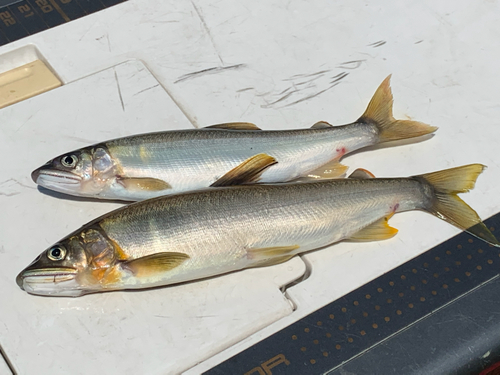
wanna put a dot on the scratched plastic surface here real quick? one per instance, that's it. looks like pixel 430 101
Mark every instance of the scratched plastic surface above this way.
pixel 289 65
pixel 144 332
pixel 4 368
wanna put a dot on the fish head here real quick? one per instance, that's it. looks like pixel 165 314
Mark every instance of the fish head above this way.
pixel 54 272
pixel 66 173
pixel 84 262
pixel 84 172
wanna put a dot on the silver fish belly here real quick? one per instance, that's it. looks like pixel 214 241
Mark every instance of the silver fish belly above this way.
pixel 184 237
pixel 220 230
pixel 150 165
pixel 196 159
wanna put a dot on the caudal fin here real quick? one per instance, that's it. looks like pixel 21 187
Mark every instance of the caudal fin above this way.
pixel 449 207
pixel 379 112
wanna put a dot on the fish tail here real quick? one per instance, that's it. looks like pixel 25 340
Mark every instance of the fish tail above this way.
pixel 446 204
pixel 379 112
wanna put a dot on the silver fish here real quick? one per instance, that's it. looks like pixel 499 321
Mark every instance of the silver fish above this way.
pixel 150 165
pixel 172 239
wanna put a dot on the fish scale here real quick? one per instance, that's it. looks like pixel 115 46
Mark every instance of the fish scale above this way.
pixel 172 239
pixel 281 220
pixel 149 165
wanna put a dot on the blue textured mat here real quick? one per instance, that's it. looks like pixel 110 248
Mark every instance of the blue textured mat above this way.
pixel 19 19
pixel 343 329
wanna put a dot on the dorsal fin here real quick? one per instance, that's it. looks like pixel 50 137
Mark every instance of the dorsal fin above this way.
pixel 361 174
pixel 248 171
pixel 321 125
pixel 235 126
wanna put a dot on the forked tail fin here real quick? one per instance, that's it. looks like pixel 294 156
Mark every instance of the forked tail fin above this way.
pixel 448 206
pixel 379 112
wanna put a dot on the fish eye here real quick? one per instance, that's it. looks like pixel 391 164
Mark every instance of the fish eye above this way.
pixel 56 253
pixel 69 161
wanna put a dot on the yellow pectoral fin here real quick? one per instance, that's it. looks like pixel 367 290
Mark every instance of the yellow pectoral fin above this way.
pixel 235 126
pixel 155 263
pixel 265 253
pixel 247 172
pixel 377 231
pixel 143 184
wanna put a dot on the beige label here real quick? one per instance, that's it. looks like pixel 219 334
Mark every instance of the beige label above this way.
pixel 25 82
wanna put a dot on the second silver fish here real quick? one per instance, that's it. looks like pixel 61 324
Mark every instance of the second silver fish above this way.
pixel 149 165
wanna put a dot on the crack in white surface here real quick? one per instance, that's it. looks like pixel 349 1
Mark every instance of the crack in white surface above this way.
pixel 209 33
pixel 119 90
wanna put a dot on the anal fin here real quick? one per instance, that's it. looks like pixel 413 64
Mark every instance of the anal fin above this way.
pixel 155 263
pixel 330 170
pixel 143 184
pixel 377 231
pixel 247 172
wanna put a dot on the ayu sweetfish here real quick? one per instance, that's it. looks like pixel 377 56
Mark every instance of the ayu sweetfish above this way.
pixel 150 165
pixel 177 238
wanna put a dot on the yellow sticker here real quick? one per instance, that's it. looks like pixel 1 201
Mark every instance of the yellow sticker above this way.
pixel 25 82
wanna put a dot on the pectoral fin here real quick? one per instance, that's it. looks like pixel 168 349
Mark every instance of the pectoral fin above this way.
pixel 361 174
pixel 155 263
pixel 377 231
pixel 265 253
pixel 143 184
pixel 247 172
pixel 235 126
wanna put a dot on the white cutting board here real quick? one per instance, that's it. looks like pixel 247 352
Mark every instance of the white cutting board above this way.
pixel 145 332
pixel 269 62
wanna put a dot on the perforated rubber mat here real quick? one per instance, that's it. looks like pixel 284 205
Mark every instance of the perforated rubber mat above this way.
pixel 365 317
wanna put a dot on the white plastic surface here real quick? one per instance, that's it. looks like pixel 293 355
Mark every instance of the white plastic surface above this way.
pixel 273 63
pixel 4 368
pixel 145 332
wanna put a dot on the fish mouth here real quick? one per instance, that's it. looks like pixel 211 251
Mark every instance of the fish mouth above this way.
pixel 50 176
pixel 30 280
